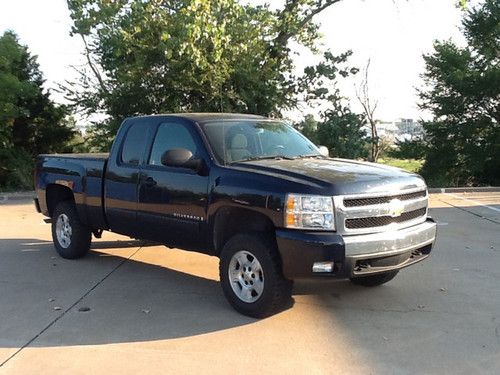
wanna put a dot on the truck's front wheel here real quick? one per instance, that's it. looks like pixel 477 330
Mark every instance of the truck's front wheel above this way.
pixel 251 276
pixel 375 280
pixel 71 238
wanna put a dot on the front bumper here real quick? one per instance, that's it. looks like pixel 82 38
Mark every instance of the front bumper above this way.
pixel 355 255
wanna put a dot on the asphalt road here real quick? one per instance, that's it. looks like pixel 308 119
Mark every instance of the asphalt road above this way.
pixel 130 307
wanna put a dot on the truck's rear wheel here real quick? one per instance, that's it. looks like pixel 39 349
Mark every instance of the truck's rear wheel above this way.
pixel 251 276
pixel 375 280
pixel 71 238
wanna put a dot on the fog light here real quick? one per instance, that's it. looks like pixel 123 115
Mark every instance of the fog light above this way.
pixel 323 267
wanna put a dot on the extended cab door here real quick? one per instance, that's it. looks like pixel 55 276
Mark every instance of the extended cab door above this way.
pixel 122 175
pixel 173 200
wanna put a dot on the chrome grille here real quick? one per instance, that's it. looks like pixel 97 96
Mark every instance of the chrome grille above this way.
pixel 378 221
pixel 371 213
pixel 356 202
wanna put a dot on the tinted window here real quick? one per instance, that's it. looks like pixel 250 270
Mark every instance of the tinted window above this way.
pixel 134 145
pixel 169 136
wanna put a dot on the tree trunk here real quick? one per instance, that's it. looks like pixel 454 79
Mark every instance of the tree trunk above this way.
pixel 375 141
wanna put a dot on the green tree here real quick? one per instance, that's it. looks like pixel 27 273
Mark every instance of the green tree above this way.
pixel 341 131
pixel 309 127
pixel 30 123
pixel 409 149
pixel 463 94
pixel 153 56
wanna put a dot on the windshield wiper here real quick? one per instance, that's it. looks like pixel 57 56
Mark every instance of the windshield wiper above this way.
pixel 310 156
pixel 275 157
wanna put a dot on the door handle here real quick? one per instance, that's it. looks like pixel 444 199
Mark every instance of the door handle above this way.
pixel 149 182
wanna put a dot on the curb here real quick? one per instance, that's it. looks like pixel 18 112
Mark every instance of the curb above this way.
pixel 17 196
pixel 484 189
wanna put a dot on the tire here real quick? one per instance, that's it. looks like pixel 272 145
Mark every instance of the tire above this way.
pixel 266 291
pixel 375 280
pixel 71 238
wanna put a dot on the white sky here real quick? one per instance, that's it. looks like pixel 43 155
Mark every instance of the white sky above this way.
pixel 392 33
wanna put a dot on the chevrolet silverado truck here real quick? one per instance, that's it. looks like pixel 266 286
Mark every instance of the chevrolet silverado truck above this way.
pixel 250 190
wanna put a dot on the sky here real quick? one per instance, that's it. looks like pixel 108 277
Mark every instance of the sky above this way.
pixel 393 34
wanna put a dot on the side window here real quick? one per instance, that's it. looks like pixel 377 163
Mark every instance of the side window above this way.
pixel 171 135
pixel 134 145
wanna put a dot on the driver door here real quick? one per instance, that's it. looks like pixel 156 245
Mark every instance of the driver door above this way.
pixel 172 201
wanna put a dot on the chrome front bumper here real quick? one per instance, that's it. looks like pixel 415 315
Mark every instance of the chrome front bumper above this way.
pixel 381 252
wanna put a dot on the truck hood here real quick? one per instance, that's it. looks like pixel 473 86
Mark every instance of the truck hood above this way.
pixel 339 176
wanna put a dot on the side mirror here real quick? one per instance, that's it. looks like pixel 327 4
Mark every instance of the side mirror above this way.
pixel 323 150
pixel 180 158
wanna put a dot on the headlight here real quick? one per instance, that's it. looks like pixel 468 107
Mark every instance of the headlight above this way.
pixel 309 212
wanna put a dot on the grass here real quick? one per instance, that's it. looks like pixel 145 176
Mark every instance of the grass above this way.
pixel 410 165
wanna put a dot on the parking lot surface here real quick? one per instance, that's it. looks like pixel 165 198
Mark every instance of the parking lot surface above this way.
pixel 132 307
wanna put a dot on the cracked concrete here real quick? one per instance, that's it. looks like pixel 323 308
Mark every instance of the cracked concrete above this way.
pixel 439 316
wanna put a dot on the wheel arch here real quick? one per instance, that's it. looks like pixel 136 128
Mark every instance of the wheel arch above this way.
pixel 55 193
pixel 229 221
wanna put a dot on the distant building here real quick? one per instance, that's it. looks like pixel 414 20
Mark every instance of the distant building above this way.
pixel 387 130
pixel 400 130
pixel 409 129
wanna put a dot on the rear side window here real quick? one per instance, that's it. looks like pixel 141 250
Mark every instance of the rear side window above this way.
pixel 169 136
pixel 134 144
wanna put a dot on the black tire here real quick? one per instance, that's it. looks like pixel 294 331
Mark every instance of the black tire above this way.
pixel 375 280
pixel 277 291
pixel 79 235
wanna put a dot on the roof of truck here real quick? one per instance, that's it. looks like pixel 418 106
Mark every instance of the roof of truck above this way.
pixel 203 117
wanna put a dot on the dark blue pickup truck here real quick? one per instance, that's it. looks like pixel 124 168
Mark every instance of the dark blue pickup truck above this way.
pixel 252 191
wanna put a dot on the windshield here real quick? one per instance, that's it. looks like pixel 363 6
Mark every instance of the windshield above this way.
pixel 244 140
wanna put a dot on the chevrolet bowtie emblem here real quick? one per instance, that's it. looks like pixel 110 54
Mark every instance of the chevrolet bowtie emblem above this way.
pixel 396 208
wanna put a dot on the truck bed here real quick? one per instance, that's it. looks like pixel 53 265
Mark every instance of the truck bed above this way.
pixel 83 174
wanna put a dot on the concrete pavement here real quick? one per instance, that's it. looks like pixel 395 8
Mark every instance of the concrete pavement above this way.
pixel 131 307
